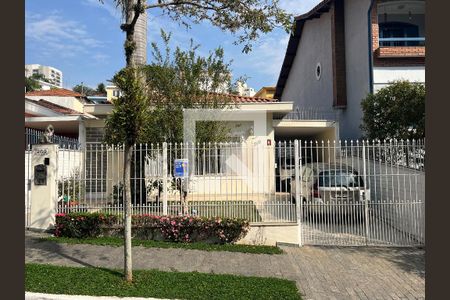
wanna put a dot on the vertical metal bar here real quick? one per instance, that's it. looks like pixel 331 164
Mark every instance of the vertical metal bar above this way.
pixel 299 202
pixel 164 149
pixel 366 207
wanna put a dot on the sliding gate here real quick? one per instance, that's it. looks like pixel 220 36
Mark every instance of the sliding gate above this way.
pixel 361 193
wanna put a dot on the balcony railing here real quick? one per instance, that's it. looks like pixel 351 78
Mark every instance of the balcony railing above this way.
pixel 402 41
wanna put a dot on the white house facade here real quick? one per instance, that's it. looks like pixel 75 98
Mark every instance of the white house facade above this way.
pixel 342 50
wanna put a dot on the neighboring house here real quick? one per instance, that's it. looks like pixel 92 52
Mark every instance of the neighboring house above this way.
pixel 266 92
pixel 112 92
pixel 342 50
pixel 54 75
pixel 62 108
pixel 242 89
pixel 98 99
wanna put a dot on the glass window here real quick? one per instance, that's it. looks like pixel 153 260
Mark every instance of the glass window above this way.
pixel 337 178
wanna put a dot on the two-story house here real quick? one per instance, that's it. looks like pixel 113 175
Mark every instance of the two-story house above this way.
pixel 342 50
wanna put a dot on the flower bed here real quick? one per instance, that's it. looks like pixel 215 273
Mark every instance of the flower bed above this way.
pixel 150 227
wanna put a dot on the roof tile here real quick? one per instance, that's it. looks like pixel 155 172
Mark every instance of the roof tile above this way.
pixel 55 93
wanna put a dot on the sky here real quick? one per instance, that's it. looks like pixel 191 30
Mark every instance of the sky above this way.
pixel 82 38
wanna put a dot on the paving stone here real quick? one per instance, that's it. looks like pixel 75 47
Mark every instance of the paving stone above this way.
pixel 319 272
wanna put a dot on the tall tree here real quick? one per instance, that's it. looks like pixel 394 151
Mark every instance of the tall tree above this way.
pixel 84 90
pixel 244 18
pixel 101 88
pixel 179 79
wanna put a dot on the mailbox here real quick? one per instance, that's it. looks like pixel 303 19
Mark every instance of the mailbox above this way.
pixel 40 174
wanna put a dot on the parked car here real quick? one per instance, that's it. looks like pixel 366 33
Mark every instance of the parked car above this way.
pixel 332 188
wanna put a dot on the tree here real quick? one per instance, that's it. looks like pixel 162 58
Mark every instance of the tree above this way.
pixel 179 79
pixel 31 84
pixel 246 18
pixel 84 90
pixel 395 112
pixel 101 88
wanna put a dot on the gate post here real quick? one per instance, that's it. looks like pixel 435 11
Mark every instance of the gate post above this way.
pixel 298 200
pixel 164 170
pixel 44 188
pixel 366 204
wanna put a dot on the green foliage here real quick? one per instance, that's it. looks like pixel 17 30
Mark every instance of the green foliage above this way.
pixel 71 188
pixel 130 117
pixel 81 225
pixel 168 228
pixel 182 79
pixel 118 242
pixel 31 84
pixel 101 89
pixel 247 20
pixel 84 90
pixel 50 279
pixel 395 112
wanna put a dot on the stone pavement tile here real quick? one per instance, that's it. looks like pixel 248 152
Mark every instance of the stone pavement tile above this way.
pixel 319 272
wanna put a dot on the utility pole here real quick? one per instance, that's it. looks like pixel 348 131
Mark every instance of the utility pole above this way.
pixel 82 90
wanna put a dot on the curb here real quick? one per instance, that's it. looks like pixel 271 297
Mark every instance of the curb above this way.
pixel 40 296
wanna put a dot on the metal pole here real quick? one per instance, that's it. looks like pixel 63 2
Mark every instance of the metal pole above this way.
pixel 366 205
pixel 298 199
pixel 164 178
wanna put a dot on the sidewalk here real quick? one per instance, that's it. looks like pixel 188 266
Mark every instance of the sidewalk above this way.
pixel 320 272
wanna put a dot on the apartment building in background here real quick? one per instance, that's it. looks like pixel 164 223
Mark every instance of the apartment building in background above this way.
pixel 54 75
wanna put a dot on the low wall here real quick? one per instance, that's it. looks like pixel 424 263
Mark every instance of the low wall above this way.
pixel 271 234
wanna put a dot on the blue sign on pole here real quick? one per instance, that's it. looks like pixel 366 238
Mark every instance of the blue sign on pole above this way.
pixel 181 168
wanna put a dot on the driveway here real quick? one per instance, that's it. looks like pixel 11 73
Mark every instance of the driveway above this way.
pixel 320 272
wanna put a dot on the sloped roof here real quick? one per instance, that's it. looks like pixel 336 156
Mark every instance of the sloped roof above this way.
pixel 294 40
pixel 55 93
pixel 247 99
pixel 57 108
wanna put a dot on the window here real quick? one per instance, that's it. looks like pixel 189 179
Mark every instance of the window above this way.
pixel 337 178
pixel 318 71
pixel 399 34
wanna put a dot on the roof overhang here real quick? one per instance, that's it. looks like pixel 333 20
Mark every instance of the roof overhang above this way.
pixel 63 124
pixel 294 41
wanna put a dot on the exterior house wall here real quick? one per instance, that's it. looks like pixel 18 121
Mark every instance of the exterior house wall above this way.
pixel 69 102
pixel 357 66
pixel 314 47
pixel 382 76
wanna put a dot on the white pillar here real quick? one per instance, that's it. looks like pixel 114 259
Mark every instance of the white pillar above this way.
pixel 44 188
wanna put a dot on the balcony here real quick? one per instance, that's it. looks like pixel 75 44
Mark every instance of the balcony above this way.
pixel 401 23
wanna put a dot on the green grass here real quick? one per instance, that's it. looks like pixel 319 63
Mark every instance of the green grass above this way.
pixel 114 241
pixel 105 282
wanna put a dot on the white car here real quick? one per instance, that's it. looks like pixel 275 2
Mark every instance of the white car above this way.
pixel 331 187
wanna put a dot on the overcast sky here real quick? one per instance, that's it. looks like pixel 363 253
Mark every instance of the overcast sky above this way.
pixel 82 38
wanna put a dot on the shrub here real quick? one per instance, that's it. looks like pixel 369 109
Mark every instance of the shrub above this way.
pixel 168 228
pixel 81 225
pixel 396 111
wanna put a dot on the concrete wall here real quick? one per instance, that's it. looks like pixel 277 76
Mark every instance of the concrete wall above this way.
pixel 272 234
pixel 302 87
pixel 69 102
pixel 357 61
pixel 383 75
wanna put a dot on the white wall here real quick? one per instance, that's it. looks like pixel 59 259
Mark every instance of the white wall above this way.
pixel 357 66
pixel 69 102
pixel 382 76
pixel 302 87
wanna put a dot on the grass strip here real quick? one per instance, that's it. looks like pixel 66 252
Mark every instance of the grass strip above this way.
pixel 114 241
pixel 51 279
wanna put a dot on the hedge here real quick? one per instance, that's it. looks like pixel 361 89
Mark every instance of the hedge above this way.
pixel 167 228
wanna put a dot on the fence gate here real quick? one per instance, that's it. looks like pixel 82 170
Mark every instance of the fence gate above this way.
pixel 362 193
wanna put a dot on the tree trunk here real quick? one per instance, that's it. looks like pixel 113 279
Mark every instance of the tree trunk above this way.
pixel 127 220
pixel 136 55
